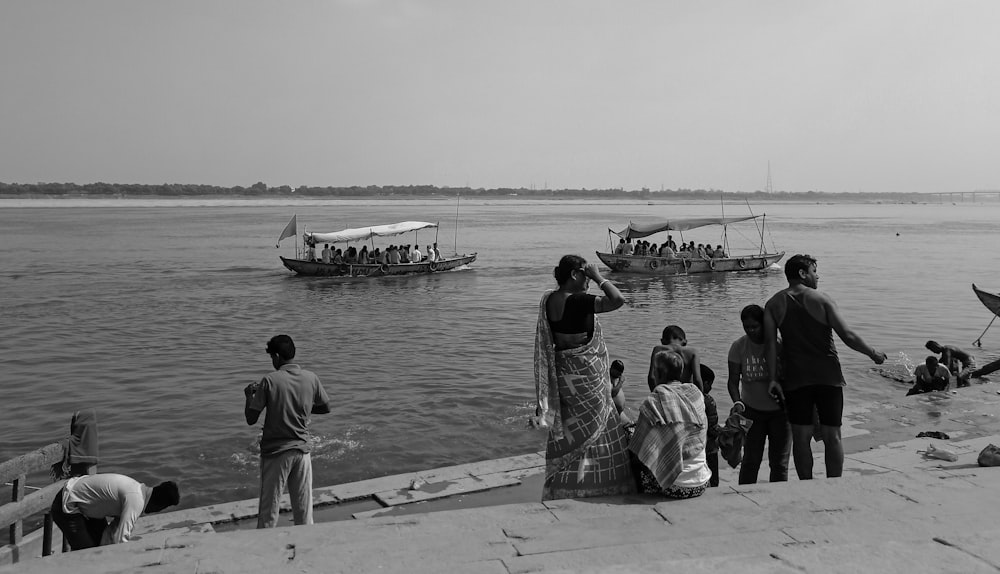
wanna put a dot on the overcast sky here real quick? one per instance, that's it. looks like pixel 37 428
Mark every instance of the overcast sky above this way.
pixel 868 95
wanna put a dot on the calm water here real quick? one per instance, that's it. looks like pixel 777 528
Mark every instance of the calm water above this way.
pixel 157 312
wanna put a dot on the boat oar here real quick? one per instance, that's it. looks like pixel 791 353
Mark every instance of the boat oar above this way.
pixel 979 342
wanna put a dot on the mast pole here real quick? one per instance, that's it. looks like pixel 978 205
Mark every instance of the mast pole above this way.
pixel 458 201
pixel 760 228
pixel 725 228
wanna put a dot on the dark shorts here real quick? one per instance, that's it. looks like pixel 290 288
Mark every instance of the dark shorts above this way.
pixel 828 401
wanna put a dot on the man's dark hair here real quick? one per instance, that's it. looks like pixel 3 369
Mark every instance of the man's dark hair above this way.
pixel 755 312
pixel 164 494
pixel 672 332
pixel 282 346
pixel 933 346
pixel 795 264
pixel 707 378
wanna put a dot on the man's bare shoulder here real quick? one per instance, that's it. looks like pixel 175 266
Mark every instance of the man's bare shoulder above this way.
pixel 777 301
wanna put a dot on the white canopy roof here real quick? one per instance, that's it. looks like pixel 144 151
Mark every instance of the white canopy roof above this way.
pixel 635 230
pixel 362 233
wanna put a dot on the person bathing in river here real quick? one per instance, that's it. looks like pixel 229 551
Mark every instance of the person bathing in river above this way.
pixel 960 363
pixel 931 376
pixel 674 339
pixel 585 453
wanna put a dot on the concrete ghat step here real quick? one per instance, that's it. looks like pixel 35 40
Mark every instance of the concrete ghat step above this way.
pixel 884 558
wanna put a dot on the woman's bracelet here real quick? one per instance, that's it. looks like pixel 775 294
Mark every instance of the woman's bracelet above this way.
pixel 601 284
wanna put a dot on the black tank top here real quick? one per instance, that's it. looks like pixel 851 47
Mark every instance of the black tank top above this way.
pixel 808 352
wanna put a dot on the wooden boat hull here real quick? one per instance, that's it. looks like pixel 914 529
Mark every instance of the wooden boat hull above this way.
pixel 684 266
pixel 320 269
pixel 991 301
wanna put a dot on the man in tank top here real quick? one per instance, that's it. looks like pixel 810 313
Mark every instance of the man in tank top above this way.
pixel 813 380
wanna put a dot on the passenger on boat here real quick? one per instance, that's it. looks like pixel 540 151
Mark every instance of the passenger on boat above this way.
pixel 363 254
pixel 674 339
pixel 930 376
pixel 430 254
pixel 628 249
pixel 417 256
pixel 311 252
pixel 377 256
pixel 670 434
pixel 620 248
pixel 719 253
pixel 437 252
pixel 667 251
pixel 338 257
pixel 670 242
pixel 960 363
pixel 586 448
pixel 654 250
pixel 393 258
pixel 404 254
pixel 326 254
pixel 351 256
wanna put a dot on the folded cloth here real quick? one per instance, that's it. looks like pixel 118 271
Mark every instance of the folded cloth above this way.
pixel 82 445
pixel 933 434
pixel 731 438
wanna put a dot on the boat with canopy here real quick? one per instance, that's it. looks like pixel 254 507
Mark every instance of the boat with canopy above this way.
pixel 685 262
pixel 305 261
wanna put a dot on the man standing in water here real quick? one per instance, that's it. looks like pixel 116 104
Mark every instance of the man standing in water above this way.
pixel 290 394
pixel 813 380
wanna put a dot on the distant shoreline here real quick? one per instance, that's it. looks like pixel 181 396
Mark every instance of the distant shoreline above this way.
pixel 652 199
pixel 260 190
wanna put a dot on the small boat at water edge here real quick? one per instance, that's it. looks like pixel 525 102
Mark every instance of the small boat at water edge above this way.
pixel 991 301
pixel 684 263
pixel 306 263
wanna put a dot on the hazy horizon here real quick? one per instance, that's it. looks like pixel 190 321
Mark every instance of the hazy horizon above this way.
pixel 877 97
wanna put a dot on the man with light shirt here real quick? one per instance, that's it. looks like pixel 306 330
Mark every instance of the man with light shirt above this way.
pixel 82 507
pixel 289 394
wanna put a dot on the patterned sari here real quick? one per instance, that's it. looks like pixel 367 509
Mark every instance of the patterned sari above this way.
pixel 587 450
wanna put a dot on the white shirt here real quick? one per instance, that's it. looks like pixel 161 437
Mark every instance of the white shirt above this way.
pixel 107 495
pixel 416 256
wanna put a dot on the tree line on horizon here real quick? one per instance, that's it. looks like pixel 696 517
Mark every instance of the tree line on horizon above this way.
pixel 260 189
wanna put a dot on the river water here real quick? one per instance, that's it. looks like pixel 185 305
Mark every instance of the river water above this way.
pixel 156 312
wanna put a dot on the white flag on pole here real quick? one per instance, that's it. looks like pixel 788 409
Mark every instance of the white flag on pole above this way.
pixel 289 230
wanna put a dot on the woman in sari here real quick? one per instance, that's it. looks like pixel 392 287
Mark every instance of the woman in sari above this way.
pixel 586 453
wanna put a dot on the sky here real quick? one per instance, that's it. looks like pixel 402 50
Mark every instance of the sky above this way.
pixel 846 96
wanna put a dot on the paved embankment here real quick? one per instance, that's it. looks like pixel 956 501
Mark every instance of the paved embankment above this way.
pixel 893 511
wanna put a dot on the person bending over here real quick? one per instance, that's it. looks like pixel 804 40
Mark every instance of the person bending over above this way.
pixel 82 508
